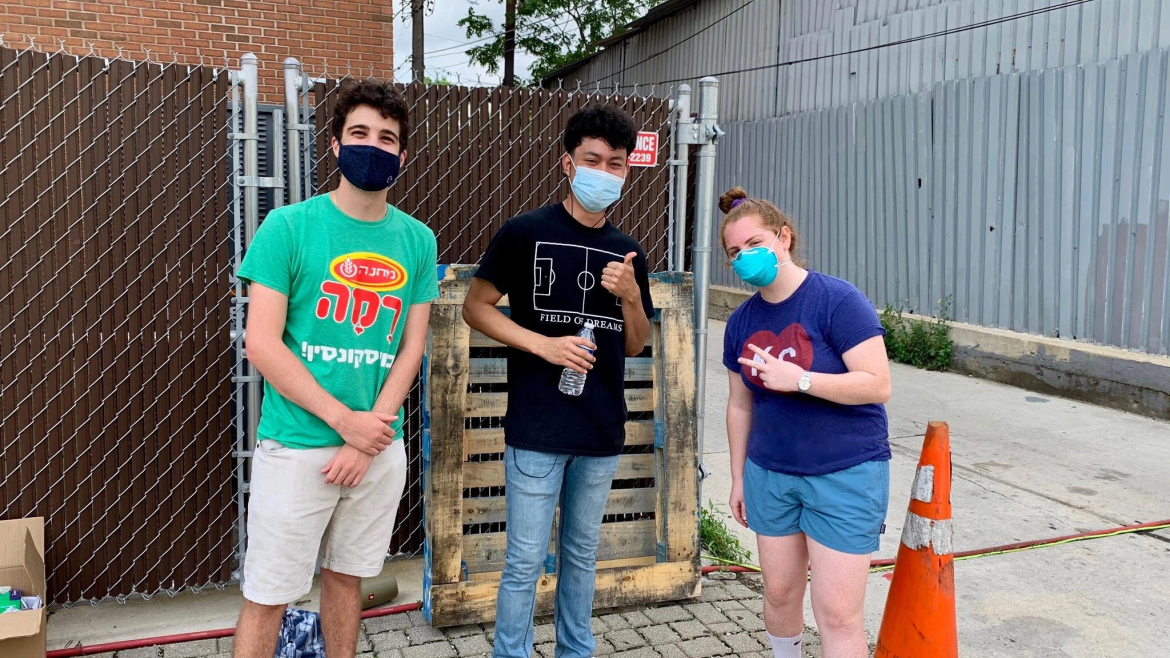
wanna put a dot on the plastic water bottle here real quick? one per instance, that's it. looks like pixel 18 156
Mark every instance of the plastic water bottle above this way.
pixel 573 382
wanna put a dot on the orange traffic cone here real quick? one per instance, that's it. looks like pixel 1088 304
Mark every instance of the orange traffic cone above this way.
pixel 919 621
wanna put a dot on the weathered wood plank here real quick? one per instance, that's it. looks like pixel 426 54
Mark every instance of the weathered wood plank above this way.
pixel 495 371
pixel 619 541
pixel 474 602
pixel 480 340
pixel 680 491
pixel 491 441
pixel 491 474
pixel 492 405
pixel 452 289
pixel 447 383
pixel 672 290
pixel 621 501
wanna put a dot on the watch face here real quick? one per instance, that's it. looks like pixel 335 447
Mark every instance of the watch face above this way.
pixel 804 383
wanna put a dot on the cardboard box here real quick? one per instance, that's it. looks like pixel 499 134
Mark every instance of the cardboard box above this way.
pixel 22 565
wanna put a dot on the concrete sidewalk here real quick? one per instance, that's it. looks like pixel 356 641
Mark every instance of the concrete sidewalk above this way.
pixel 1025 467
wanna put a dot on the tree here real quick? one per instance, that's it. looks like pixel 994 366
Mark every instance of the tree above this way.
pixel 555 32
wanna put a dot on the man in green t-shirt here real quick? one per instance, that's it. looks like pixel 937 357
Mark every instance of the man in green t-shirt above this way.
pixel 340 288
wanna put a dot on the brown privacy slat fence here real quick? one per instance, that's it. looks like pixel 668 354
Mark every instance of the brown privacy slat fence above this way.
pixel 115 363
pixel 117 212
pixel 477 157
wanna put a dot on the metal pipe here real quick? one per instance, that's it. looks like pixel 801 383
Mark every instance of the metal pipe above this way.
pixel 681 162
pixel 292 129
pixel 276 157
pixel 701 254
pixel 670 185
pixel 251 78
pixel 309 143
pixel 238 369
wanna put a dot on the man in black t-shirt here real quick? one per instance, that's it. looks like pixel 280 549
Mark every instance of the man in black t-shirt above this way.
pixel 562 266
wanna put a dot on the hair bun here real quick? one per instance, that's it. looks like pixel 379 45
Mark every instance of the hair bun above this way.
pixel 728 199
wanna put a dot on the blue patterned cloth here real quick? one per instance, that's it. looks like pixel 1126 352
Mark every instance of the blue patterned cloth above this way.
pixel 300 635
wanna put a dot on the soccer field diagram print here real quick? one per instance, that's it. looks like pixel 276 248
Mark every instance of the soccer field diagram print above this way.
pixel 568 280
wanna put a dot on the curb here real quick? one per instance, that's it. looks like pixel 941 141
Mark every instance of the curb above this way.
pixel 1130 381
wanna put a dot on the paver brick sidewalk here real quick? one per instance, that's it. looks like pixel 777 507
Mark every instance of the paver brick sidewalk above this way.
pixel 725 621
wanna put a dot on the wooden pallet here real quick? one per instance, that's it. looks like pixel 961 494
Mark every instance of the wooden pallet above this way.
pixel 649 548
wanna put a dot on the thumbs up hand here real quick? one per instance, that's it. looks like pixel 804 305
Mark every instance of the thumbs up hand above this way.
pixel 618 278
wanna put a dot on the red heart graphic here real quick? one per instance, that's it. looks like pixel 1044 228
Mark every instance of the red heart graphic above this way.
pixel 793 344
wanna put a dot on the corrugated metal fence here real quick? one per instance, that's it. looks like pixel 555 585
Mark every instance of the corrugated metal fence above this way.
pixel 782 36
pixel 1032 40
pixel 1038 201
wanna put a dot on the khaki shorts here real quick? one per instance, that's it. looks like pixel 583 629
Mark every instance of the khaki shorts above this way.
pixel 293 517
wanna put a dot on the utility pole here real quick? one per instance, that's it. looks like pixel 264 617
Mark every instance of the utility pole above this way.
pixel 510 43
pixel 418 66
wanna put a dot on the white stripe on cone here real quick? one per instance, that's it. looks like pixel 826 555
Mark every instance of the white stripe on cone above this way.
pixel 920 532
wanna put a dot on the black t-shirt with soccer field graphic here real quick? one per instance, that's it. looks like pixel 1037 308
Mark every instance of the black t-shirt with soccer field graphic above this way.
pixel 550 267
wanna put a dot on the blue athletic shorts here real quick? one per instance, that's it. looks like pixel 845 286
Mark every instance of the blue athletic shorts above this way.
pixel 844 511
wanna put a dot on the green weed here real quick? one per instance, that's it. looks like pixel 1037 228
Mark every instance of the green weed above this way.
pixel 921 344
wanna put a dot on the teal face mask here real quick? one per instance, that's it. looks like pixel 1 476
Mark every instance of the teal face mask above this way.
pixel 758 266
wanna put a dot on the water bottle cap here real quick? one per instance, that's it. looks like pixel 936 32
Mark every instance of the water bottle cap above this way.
pixel 589 324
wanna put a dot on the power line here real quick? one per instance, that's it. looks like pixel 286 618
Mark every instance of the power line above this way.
pixel 943 33
pixel 495 35
pixel 406 62
pixel 441 38
pixel 679 43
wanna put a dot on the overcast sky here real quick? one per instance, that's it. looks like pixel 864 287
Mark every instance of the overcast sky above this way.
pixel 443 35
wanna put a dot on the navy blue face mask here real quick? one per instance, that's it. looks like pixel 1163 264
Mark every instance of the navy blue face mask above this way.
pixel 368 168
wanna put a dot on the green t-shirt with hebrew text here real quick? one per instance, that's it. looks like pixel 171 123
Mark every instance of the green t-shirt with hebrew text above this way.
pixel 350 285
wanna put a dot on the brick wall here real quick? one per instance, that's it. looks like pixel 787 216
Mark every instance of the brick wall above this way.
pixel 335 33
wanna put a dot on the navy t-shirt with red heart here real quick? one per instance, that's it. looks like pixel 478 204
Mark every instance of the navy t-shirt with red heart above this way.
pixel 797 433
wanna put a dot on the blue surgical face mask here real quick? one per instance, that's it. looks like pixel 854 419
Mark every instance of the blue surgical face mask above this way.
pixel 367 167
pixel 758 266
pixel 596 190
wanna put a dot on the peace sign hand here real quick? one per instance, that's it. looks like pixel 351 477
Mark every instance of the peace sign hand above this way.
pixel 776 374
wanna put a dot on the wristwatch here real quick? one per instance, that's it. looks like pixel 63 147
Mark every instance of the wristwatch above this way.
pixel 805 382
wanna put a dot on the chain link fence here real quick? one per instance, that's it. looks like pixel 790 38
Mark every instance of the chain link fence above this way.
pixel 124 191
pixel 115 362
pixel 477 157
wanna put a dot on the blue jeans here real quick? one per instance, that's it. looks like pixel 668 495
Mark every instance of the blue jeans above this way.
pixel 534 483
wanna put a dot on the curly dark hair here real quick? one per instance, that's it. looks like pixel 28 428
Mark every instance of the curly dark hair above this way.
pixel 605 122
pixel 382 96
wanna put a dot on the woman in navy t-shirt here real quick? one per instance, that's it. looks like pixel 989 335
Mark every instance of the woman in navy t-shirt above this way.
pixel 807 429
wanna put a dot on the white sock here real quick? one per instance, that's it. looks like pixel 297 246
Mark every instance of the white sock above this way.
pixel 787 647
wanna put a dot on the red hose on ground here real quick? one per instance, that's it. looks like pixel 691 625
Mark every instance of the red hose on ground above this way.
pixel 407 607
pixel 392 610
pixel 198 635
pixel 1003 548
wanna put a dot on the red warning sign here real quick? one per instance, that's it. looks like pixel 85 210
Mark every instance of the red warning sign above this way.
pixel 646 152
